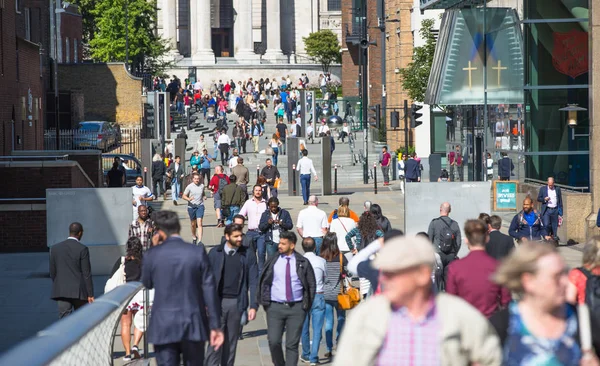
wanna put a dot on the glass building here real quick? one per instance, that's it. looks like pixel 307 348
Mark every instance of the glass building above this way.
pixel 502 72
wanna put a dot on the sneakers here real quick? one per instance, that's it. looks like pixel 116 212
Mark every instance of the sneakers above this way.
pixel 194 241
pixel 328 354
pixel 135 352
pixel 175 203
pixel 304 360
pixel 127 358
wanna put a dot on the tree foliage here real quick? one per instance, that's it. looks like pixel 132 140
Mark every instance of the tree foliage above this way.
pixel 89 25
pixel 323 47
pixel 146 50
pixel 416 75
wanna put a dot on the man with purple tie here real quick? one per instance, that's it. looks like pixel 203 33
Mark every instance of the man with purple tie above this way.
pixel 286 291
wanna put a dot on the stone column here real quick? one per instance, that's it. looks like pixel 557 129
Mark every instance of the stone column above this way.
pixel 243 45
pixel 202 46
pixel 170 24
pixel 273 52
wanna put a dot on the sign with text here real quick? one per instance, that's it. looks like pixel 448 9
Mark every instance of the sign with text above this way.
pixel 505 195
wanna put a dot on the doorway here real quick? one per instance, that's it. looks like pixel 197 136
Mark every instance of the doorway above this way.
pixel 222 39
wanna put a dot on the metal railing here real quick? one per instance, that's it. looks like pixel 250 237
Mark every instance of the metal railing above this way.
pixel 563 186
pixel 127 141
pixel 83 338
pixel 33 158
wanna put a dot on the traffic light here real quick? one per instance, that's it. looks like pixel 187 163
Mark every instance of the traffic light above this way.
pixel 415 115
pixel 395 119
pixel 375 117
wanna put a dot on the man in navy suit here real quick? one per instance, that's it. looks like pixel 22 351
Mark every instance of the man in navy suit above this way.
pixel 552 207
pixel 186 312
pixel 412 169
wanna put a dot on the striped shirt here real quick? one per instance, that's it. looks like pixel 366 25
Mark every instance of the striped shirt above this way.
pixel 411 343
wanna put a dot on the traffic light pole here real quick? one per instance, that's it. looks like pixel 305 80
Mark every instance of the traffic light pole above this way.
pixel 364 86
pixel 406 112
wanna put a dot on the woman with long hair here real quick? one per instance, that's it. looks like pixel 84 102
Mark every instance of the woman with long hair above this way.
pixel 133 272
pixel 367 231
pixel 336 274
pixel 341 226
pixel 275 143
pixel 382 221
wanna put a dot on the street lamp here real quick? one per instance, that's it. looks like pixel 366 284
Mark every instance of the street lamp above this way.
pixel 572 110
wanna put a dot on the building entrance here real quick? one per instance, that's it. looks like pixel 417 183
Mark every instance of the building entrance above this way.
pixel 222 41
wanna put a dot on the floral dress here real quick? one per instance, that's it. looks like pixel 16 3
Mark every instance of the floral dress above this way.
pixel 523 348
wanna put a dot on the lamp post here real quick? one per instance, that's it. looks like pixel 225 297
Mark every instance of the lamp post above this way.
pixel 572 110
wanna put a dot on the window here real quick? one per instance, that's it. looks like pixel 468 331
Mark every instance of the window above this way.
pixel 334 5
pixel 67 51
pixel 27 16
pixel 75 55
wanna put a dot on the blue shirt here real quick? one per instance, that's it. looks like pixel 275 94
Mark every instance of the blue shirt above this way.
pixel 206 163
pixel 284 96
pixel 278 287
pixel 530 217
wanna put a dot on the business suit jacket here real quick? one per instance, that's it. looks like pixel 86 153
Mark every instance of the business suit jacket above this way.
pixel 505 168
pixel 412 169
pixel 249 274
pixel 500 245
pixel 543 193
pixel 70 271
pixel 185 299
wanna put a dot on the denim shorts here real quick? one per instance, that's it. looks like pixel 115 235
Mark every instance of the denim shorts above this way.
pixel 196 212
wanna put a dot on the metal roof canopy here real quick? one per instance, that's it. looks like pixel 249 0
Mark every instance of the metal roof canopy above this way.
pixel 449 4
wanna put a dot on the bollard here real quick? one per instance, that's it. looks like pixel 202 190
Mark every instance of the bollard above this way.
pixel 294 178
pixel 257 172
pixel 335 179
pixel 146 314
pixel 375 177
pixel 146 176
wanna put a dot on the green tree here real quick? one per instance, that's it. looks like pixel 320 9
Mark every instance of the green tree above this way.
pixel 88 21
pixel 323 47
pixel 416 75
pixel 146 50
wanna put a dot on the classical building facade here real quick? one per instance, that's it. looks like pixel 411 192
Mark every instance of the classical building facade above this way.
pixel 247 32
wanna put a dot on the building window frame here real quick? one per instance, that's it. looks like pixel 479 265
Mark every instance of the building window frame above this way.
pixel 27 16
pixel 75 51
pixel 67 51
pixel 17 6
pixel 334 5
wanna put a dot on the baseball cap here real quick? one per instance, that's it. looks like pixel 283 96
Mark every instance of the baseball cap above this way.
pixel 404 252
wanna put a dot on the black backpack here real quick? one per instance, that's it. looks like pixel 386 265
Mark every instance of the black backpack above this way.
pixel 222 183
pixel 447 238
pixel 592 293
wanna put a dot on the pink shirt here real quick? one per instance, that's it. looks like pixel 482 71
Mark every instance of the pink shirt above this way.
pixel 385 160
pixel 253 211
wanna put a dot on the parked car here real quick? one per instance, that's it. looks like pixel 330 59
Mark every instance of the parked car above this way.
pixel 94 135
pixel 133 167
pixel 117 128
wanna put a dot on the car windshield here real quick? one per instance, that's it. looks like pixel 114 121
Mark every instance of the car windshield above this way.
pixel 89 127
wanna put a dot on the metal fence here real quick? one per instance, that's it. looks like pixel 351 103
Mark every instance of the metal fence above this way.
pixel 127 141
pixel 84 338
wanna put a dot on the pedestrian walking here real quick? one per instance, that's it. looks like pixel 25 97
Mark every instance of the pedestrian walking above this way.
pixel 158 173
pixel 253 210
pixel 271 174
pixel 505 167
pixel 412 169
pixel 310 347
pixel 204 166
pixel 550 196
pixel 71 274
pixel 242 174
pixel 401 171
pixel 444 233
pixel 409 323
pixel 194 195
pixel 233 198
pixel 282 128
pixel 579 276
pixel 343 201
pixel 275 144
pixel 364 233
pixel 341 226
pixel 141 195
pixel 286 291
pixel 527 225
pixel 176 174
pixel 312 222
pixel 236 274
pixel 500 245
pixel 115 178
pixel 142 228
pixel 216 185
pixel 385 162
pixel 305 167
pixel 382 221
pixel 272 222
pixel 223 143
pixel 256 132
pixel 470 278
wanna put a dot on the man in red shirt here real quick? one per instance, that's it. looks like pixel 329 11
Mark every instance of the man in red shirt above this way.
pixel 455 160
pixel 386 160
pixel 227 89
pixel 216 185
pixel 470 277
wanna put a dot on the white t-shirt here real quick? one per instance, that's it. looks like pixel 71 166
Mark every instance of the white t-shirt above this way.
pixel 312 220
pixel 136 193
pixel 224 139
pixel 233 162
pixel 323 129
pixel 337 227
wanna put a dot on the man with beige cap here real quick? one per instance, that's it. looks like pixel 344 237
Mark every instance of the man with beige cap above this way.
pixel 410 324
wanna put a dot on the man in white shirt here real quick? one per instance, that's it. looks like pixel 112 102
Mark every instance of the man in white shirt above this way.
pixel 310 350
pixel 312 222
pixel 198 85
pixel 253 210
pixel 223 143
pixel 305 167
pixel 323 129
pixel 233 162
pixel 141 195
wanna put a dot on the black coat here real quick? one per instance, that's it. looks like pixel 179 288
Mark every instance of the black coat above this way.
pixel 505 168
pixel 158 169
pixel 305 272
pixel 249 279
pixel 500 245
pixel 70 270
pixel 265 228
pixel 412 169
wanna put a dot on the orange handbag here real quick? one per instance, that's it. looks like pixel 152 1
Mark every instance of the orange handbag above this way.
pixel 348 297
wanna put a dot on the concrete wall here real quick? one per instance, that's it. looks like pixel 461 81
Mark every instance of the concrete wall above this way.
pixel 110 92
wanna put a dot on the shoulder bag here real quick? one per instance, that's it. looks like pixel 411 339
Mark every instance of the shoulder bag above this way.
pixel 117 279
pixel 348 297
pixel 353 239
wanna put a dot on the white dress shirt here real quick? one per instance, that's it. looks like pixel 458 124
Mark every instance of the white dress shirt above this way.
pixel 312 221
pixel 553 201
pixel 305 166
pixel 319 266
pixel 224 139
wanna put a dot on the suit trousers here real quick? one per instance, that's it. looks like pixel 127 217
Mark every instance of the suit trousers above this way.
pixel 68 306
pixel 291 318
pixel 231 324
pixel 550 220
pixel 170 354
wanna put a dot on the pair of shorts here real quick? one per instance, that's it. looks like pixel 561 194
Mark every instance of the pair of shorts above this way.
pixel 196 212
pixel 217 198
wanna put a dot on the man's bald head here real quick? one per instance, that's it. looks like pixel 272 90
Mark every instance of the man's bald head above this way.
pixel 445 209
pixel 313 200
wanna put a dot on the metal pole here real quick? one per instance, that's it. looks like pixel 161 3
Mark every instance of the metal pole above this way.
pixel 146 313
pixel 335 179
pixel 257 172
pixel 56 103
pixel 146 175
pixel 375 178
pixel 127 35
pixel 294 178
pixel 406 126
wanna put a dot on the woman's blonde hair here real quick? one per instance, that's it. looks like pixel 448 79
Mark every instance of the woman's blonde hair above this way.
pixel 523 260
pixel 343 211
pixel 591 252
pixel 156 157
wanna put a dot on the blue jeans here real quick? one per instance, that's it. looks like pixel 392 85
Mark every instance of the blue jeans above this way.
pixel 175 189
pixel 317 313
pixel 275 155
pixel 180 107
pixel 305 183
pixel 341 319
pixel 261 248
pixel 272 248
pixel 233 210
pixel 318 243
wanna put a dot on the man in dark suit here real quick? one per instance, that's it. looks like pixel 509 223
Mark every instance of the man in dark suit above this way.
pixel 236 272
pixel 499 245
pixel 550 197
pixel 71 273
pixel 505 167
pixel 186 312
pixel 412 170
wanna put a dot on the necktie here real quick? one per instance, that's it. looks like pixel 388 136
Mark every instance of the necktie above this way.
pixel 288 282
pixel 231 253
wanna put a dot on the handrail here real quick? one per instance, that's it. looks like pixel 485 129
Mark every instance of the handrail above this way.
pixel 34 157
pixel 570 188
pixel 84 337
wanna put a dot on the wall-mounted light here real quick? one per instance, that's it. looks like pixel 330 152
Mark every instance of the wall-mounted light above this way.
pixel 398 30
pixel 572 110
pixel 387 35
pixel 397 70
